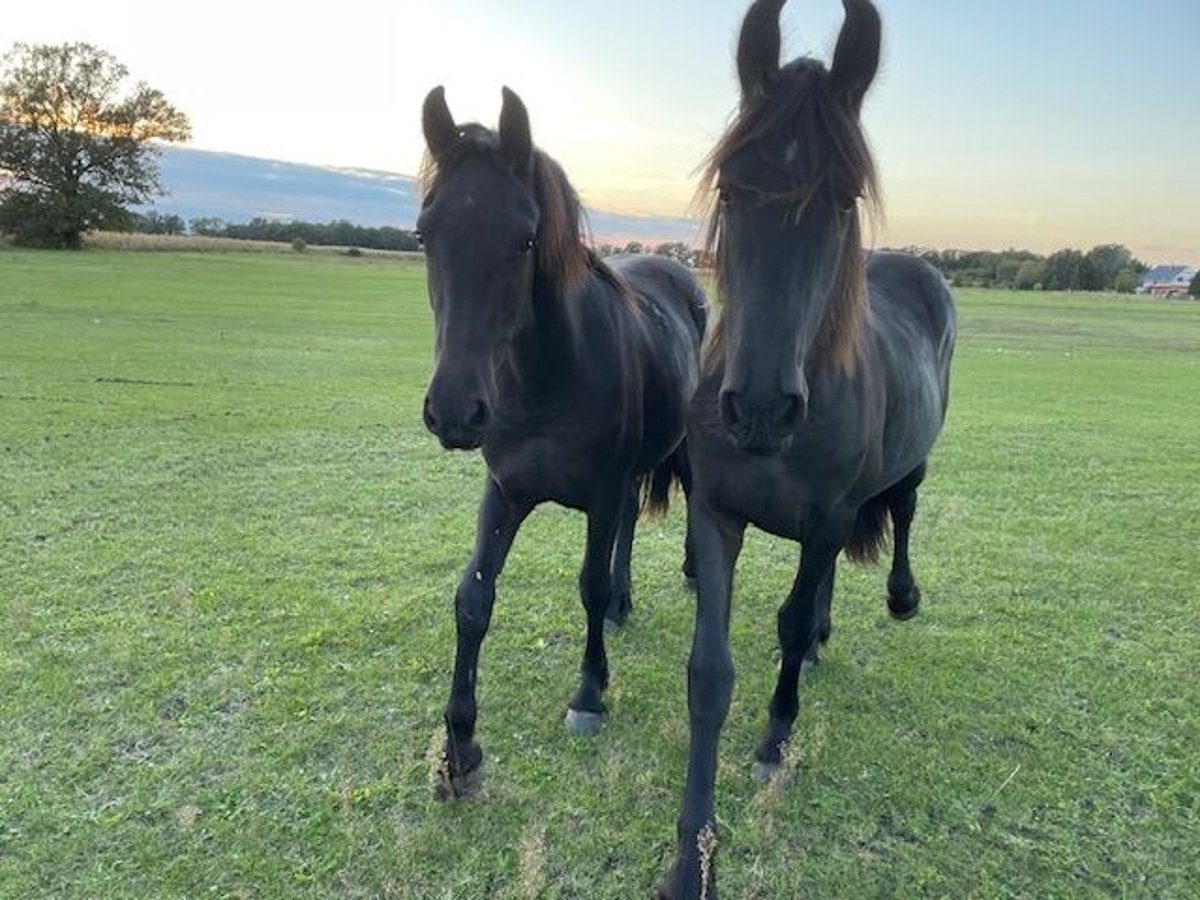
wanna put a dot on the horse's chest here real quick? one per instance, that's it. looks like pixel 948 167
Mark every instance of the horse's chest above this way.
pixel 536 469
pixel 779 494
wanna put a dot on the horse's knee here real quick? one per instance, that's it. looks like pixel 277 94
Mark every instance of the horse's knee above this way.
pixel 710 684
pixel 473 603
pixel 595 589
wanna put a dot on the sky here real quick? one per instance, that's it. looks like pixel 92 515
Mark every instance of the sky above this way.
pixel 1035 124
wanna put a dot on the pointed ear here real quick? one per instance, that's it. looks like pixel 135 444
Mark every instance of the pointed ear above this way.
pixel 516 140
pixel 758 47
pixel 440 130
pixel 856 58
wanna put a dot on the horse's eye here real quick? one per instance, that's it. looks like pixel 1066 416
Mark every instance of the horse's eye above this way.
pixel 725 198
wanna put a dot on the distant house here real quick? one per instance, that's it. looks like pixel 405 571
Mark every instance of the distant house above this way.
pixel 1167 281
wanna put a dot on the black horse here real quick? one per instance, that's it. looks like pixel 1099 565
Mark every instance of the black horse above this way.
pixel 825 382
pixel 573 375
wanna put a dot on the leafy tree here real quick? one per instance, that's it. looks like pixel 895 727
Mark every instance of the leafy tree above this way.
pixel 155 222
pixel 207 226
pixel 1194 290
pixel 1107 261
pixel 1007 270
pixel 1030 275
pixel 1127 281
pixel 1064 271
pixel 75 147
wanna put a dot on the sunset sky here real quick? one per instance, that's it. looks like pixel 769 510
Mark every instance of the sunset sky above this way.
pixel 1028 123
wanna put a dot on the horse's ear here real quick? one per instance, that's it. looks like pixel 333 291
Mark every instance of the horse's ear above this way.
pixel 438 124
pixel 758 47
pixel 856 58
pixel 516 140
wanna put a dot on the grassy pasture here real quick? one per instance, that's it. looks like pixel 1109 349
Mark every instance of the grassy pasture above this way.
pixel 227 558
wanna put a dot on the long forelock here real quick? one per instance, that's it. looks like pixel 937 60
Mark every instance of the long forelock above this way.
pixel 564 254
pixel 800 105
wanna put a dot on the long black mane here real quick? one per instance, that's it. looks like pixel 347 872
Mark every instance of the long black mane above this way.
pixel 565 256
pixel 801 106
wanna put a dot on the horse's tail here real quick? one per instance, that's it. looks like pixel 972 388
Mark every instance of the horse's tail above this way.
pixel 656 486
pixel 869 536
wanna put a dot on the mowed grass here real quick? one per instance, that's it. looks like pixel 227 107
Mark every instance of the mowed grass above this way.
pixel 228 552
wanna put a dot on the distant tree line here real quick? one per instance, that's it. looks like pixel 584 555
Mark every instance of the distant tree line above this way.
pixel 338 233
pixel 1108 267
pixel 676 250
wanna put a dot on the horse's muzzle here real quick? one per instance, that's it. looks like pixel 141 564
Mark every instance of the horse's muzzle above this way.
pixel 461 427
pixel 764 429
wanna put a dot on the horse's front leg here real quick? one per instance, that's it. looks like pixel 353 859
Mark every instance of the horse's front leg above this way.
pixel 710 687
pixel 799 625
pixel 462 759
pixel 585 713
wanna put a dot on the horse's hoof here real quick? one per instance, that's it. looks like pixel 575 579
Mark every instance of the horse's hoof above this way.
pixel 617 614
pixel 904 608
pixel 693 873
pixel 584 723
pixel 452 788
pixel 764 772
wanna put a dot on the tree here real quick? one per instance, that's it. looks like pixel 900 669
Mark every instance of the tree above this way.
pixel 207 226
pixel 1064 270
pixel 1007 270
pixel 1127 281
pixel 1108 261
pixel 75 145
pixel 155 222
pixel 1030 275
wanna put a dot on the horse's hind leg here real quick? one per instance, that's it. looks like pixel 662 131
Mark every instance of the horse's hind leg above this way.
pixel 621 602
pixel 585 712
pixel 904 597
pixel 825 620
pixel 462 760
pixel 684 471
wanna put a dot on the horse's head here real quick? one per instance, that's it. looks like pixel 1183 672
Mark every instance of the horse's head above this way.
pixel 788 175
pixel 479 223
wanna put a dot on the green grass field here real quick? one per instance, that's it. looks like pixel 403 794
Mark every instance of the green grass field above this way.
pixel 227 559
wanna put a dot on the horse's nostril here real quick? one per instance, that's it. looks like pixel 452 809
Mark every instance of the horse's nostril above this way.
pixel 790 412
pixel 430 419
pixel 732 415
pixel 479 416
